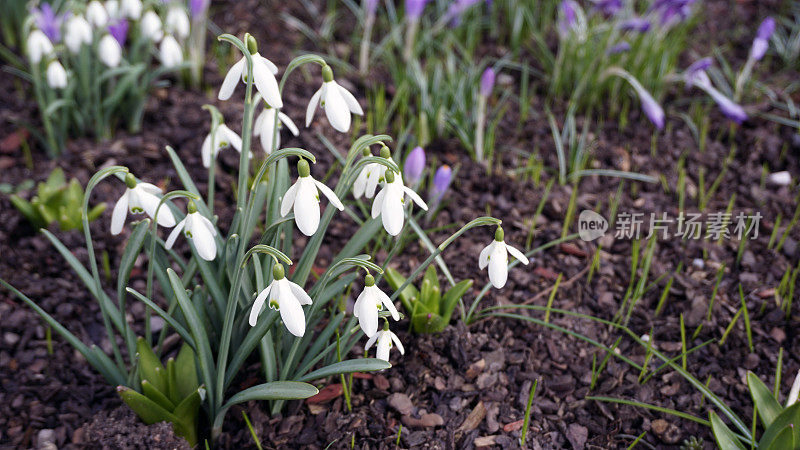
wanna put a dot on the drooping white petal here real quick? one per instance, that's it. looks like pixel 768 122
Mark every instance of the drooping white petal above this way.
pixel 289 123
pixel 258 304
pixel 351 101
pixel 291 312
pixel 149 188
pixel 312 106
pixel 397 342
pixel 265 129
pixel 109 51
pixel 336 108
pixel 384 345
pixel 306 207
pixel 498 266
pixel 270 65
pixel 360 185
pixel 149 202
pixel 387 302
pixel 202 238
pixel 231 80
pixel 371 341
pixel 301 294
pixel 207 223
pixel 173 236
pixel 414 196
pixel 483 259
pixel 205 151
pixel 377 204
pixel 226 135
pixel 375 174
pixel 289 198
pixel 330 194
pixel 266 83
pixel 367 313
pixel 517 254
pixel 392 212
pixel 119 213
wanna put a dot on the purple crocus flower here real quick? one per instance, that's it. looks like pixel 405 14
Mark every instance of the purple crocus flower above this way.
pixel 48 22
pixel 651 108
pixel 695 75
pixel 673 10
pixel 441 182
pixel 414 8
pixel 414 166
pixel 569 14
pixel 608 7
pixel 457 8
pixel 635 24
pixel 622 47
pixel 198 7
pixel 761 42
pixel 119 30
pixel 487 82
pixel 371 6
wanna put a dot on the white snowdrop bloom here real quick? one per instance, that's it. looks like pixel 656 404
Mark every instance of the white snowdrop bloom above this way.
pixel 495 255
pixel 38 46
pixel 384 338
pixel 78 32
pixel 303 195
pixel 131 9
pixel 337 101
pixel 286 297
pixel 794 392
pixel 170 52
pixel 369 302
pixel 264 128
pixel 390 203
pixel 109 51
pixel 783 178
pixel 223 137
pixel 264 72
pixel 197 228
pixel 96 14
pixel 372 173
pixel 177 22
pixel 140 198
pixel 112 8
pixel 150 26
pixel 56 75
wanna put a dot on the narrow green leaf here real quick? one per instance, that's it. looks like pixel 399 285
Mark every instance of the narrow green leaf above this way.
pixel 768 408
pixel 149 411
pixel 790 417
pixel 154 394
pixel 349 366
pixel 725 438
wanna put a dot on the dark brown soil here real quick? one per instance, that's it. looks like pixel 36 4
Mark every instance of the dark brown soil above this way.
pixel 466 387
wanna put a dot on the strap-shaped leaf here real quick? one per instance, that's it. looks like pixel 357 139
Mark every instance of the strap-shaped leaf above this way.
pixel 276 390
pixel 451 299
pixel 182 332
pixel 768 408
pixel 149 411
pixel 725 438
pixel 154 394
pixel 150 367
pixel 784 440
pixel 349 366
pixel 790 417
pixel 186 372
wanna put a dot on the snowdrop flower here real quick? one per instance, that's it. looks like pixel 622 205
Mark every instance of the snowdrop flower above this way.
pixel 78 33
pixel 139 198
pixel 170 52
pixel 150 26
pixel 414 166
pixel 495 255
pixel 223 137
pixel 131 9
pixel 264 72
pixel 109 51
pixel 303 195
pixel 96 14
pixel 39 46
pixel 47 21
pixel 794 392
pixel 369 302
pixel 372 173
pixel 384 338
pixel 112 7
pixel 286 297
pixel 198 229
pixel 177 22
pixel 56 75
pixel 761 42
pixel 696 75
pixel 337 101
pixel 390 202
pixel 782 178
pixel 264 128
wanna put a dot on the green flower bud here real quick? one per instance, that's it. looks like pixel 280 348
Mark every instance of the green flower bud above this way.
pixel 277 271
pixel 252 45
pixel 389 176
pixel 327 73
pixel 499 235
pixel 386 153
pixel 130 180
pixel 303 168
pixel 365 153
pixel 191 208
pixel 369 280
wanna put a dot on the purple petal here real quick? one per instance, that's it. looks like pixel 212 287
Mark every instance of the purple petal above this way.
pixel 48 22
pixel 761 42
pixel 487 82
pixel 622 47
pixel 414 8
pixel 766 29
pixel 635 24
pixel 198 7
pixel 371 6
pixel 119 30
pixel 414 166
pixel 441 182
